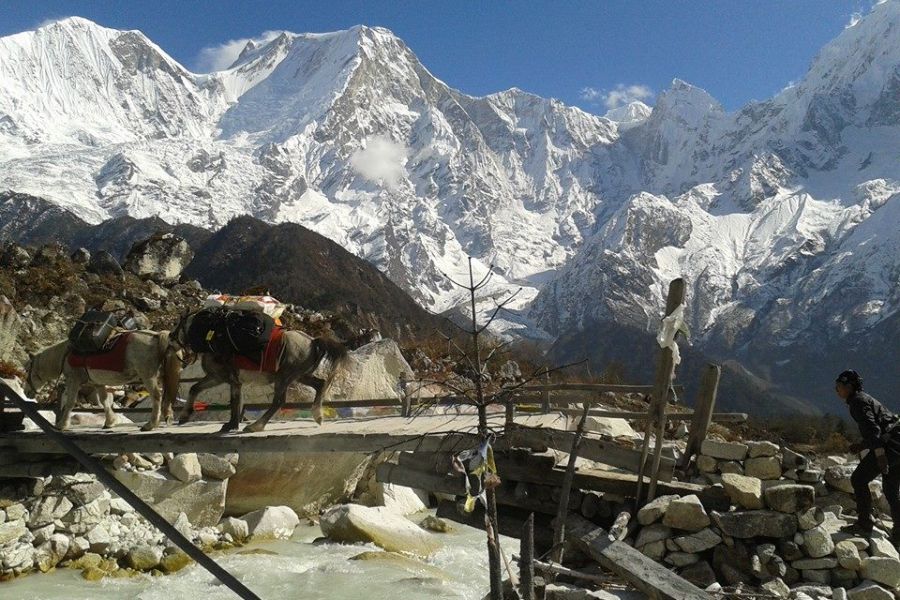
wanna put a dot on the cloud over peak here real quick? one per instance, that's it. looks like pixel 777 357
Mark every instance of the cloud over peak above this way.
pixel 620 95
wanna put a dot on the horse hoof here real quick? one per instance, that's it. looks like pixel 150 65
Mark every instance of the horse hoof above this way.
pixel 184 419
pixel 147 427
pixel 227 427
pixel 107 426
pixel 253 428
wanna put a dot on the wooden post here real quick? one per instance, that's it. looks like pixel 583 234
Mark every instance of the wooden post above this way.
pixel 526 560
pixel 703 411
pixel 545 397
pixel 510 412
pixel 663 381
pixel 559 528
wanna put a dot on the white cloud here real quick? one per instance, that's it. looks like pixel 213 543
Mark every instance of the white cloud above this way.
pixel 222 56
pixel 381 161
pixel 620 95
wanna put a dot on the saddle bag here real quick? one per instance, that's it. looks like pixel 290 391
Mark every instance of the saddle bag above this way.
pixel 228 332
pixel 91 332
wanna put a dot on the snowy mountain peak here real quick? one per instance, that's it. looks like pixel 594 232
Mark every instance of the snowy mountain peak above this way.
pixel 629 115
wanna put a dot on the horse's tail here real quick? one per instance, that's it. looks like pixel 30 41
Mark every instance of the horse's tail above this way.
pixel 330 350
pixel 171 372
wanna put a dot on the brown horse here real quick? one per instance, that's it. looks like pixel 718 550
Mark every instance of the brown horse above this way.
pixel 148 360
pixel 303 359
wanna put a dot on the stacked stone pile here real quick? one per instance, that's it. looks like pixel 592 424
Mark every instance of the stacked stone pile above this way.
pixel 73 521
pixel 779 530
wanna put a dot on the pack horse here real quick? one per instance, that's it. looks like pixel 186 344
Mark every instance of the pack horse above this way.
pixel 241 347
pixel 109 357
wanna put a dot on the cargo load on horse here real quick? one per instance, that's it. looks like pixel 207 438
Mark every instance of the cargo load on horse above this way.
pixel 229 332
pixel 94 331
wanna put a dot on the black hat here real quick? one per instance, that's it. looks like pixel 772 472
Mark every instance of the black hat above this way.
pixel 850 377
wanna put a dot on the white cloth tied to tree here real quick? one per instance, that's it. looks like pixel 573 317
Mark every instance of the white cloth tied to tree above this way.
pixel 669 329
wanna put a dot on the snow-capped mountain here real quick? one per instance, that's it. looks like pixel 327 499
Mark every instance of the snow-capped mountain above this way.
pixel 784 216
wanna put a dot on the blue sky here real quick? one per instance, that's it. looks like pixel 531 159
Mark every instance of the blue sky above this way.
pixel 591 54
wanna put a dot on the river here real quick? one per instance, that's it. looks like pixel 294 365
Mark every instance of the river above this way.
pixel 298 568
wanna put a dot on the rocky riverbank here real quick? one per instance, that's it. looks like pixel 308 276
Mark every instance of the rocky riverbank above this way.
pixel 771 523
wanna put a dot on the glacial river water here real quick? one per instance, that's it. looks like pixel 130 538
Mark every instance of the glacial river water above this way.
pixel 297 569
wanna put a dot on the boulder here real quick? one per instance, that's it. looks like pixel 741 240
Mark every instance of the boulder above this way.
pixel 686 513
pixel 869 590
pixel 790 498
pixel 215 467
pixel 756 523
pixel 400 499
pixel 817 542
pixel 810 518
pixel 353 523
pixel 272 522
pixel 48 509
pixel 605 426
pixel 707 464
pixel 236 528
pixel 809 564
pixel 699 542
pixel 745 492
pixel 848 555
pixel 700 574
pixel 654 550
pixel 202 501
pixel 724 450
pixel 84 518
pixel 731 466
pixel 652 533
pixel 186 467
pixel 882 547
pixel 172 563
pixel 305 482
pixel 764 467
pixel 793 460
pixel 161 258
pixel 374 370
pixel 777 588
pixel 14 256
pixel 99 539
pixel 882 570
pixel 839 478
pixel 764 448
pixel 105 264
pixel 435 524
pixel 12 531
pixel 80 488
pixel 654 510
pixel 144 558
pixel 682 559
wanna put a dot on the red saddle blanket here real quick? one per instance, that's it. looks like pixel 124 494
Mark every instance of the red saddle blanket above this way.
pixel 111 360
pixel 270 358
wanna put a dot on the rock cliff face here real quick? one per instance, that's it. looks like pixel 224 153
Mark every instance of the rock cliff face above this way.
pixel 782 216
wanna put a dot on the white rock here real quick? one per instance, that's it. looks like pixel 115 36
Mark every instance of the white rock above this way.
pixel 272 522
pixel 763 448
pixel 686 513
pixel 869 590
pixel 745 492
pixel 236 528
pixel 353 523
pixel 202 501
pixel 764 467
pixel 724 450
pixel 12 531
pixel 48 509
pixel 186 467
pixel 399 499
pixel 882 570
pixel 654 510
pixel 817 542
pixel 214 467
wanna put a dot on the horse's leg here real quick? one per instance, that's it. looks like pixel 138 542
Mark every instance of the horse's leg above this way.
pixel 152 386
pixel 204 384
pixel 66 403
pixel 237 405
pixel 106 400
pixel 319 386
pixel 281 388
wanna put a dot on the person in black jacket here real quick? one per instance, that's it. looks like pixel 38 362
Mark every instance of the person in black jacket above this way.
pixel 880 431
